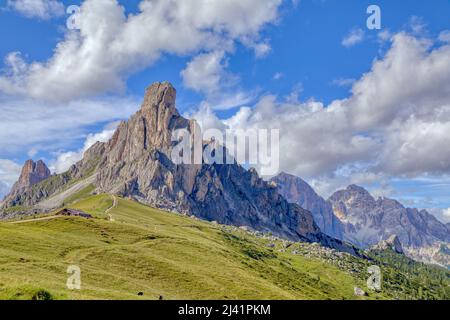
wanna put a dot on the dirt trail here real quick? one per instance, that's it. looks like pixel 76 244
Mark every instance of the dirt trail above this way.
pixel 36 219
pixel 110 217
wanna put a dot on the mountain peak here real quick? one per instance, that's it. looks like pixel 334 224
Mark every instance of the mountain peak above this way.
pixel 137 163
pixel 356 188
pixel 31 174
pixel 160 95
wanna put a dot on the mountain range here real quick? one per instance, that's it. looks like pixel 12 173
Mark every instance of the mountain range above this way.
pixel 136 164
pixel 354 215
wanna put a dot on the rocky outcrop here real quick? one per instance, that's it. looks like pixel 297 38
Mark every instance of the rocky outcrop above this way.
pixel 438 254
pixel 46 185
pixel 393 244
pixel 32 173
pixel 137 163
pixel 367 221
pixel 297 191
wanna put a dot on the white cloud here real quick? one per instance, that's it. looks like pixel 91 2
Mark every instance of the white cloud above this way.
pixel 29 124
pixel 4 189
pixel 41 9
pixel 394 124
pixel 446 214
pixel 444 36
pixel 343 82
pixel 278 76
pixel 262 49
pixel 384 36
pixel 67 159
pixel 110 45
pixel 9 173
pixel 207 74
pixel 417 25
pixel 32 152
pixel 441 214
pixel 354 37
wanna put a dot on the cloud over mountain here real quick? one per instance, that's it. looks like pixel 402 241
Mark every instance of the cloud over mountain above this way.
pixel 111 45
pixel 394 123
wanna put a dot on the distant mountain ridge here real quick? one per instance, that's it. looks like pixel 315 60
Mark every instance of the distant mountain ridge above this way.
pixel 365 221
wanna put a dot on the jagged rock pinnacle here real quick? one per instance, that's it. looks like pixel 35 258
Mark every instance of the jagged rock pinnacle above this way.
pixel 393 243
pixel 32 173
pixel 160 95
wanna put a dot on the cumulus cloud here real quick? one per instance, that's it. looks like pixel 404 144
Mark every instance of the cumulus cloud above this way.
pixel 444 36
pixel 109 45
pixel 343 82
pixel 278 76
pixel 41 9
pixel 33 125
pixel 207 74
pixel 262 49
pixel 441 214
pixel 354 37
pixel 446 214
pixel 9 173
pixel 4 189
pixel 394 124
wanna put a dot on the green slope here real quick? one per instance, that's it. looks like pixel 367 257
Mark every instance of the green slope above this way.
pixel 157 253
pixel 162 254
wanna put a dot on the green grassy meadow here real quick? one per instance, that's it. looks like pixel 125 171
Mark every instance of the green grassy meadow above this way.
pixel 158 254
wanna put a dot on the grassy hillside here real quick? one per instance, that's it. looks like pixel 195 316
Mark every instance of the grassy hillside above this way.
pixel 163 254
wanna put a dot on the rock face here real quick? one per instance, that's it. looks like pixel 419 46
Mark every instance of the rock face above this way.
pixel 32 174
pixel 296 190
pixel 137 163
pixel 353 215
pixel 367 221
pixel 393 244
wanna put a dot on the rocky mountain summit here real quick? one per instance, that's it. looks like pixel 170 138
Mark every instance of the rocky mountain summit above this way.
pixel 136 163
pixel 353 215
pixel 32 174
pixel 296 190
pixel 367 221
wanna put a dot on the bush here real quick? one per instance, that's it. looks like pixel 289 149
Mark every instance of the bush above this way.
pixel 42 295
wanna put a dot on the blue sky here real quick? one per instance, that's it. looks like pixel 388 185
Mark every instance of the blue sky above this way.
pixel 289 55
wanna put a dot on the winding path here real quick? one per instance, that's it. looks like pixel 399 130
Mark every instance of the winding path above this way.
pixel 110 217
